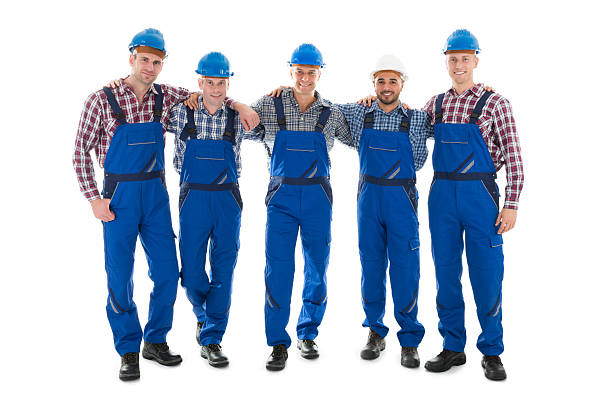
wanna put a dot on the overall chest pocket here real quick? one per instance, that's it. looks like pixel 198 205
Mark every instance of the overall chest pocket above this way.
pixel 209 150
pixel 454 138
pixel 140 138
pixel 383 143
pixel 300 144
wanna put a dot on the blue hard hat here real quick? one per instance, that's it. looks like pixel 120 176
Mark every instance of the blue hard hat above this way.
pixel 214 64
pixel 150 37
pixel 307 54
pixel 461 40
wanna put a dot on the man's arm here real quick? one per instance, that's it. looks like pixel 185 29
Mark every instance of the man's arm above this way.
pixel 342 132
pixel 504 127
pixel 353 114
pixel 88 136
pixel 178 119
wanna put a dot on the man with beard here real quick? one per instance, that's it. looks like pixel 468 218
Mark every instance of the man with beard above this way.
pixel 390 140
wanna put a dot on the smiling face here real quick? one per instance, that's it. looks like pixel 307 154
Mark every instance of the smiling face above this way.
pixel 305 78
pixel 460 66
pixel 214 90
pixel 388 86
pixel 146 67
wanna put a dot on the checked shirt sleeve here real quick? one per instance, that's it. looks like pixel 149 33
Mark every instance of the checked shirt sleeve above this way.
pixel 342 132
pixel 504 128
pixel 353 114
pixel 178 120
pixel 88 137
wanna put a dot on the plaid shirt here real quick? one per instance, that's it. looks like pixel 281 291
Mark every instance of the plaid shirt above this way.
pixel 498 130
pixel 420 126
pixel 336 126
pixel 209 127
pixel 97 126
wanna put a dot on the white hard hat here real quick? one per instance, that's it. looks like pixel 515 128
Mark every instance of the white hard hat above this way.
pixel 389 62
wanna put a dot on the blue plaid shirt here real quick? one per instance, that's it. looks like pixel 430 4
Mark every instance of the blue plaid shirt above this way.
pixel 208 126
pixel 420 126
pixel 336 127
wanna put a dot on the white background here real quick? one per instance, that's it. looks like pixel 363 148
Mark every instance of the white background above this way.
pixel 550 59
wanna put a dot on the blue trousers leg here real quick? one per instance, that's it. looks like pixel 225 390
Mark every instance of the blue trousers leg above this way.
pixel 485 262
pixel 315 230
pixel 223 256
pixel 196 226
pixel 404 265
pixel 281 234
pixel 447 249
pixel 119 245
pixel 157 239
pixel 373 256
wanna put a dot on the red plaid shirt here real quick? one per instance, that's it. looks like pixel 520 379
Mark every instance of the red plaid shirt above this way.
pixel 97 126
pixel 498 129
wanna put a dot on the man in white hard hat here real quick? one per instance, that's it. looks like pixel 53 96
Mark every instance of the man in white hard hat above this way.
pixel 391 144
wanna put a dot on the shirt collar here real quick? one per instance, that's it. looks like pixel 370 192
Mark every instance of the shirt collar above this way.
pixel 288 93
pixel 205 111
pixel 124 87
pixel 477 90
pixel 376 106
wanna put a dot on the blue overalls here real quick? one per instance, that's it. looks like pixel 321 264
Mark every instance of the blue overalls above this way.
pixel 299 195
pixel 389 229
pixel 134 182
pixel 210 208
pixel 464 198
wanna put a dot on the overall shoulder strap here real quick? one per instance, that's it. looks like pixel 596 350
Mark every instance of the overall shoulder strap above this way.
pixel 189 131
pixel 280 113
pixel 438 109
pixel 159 103
pixel 405 124
pixel 368 120
pixel 323 117
pixel 230 132
pixel 479 106
pixel 117 112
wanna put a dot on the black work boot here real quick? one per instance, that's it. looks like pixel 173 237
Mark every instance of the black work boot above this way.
pixel 308 349
pixel 129 367
pixel 445 360
pixel 278 358
pixel 374 346
pixel 198 331
pixel 214 355
pixel 410 357
pixel 161 353
pixel 493 368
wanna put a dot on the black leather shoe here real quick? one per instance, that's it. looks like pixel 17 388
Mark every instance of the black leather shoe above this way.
pixel 445 360
pixel 278 358
pixel 374 346
pixel 129 367
pixel 198 331
pixel 214 355
pixel 308 349
pixel 160 352
pixel 410 357
pixel 493 368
